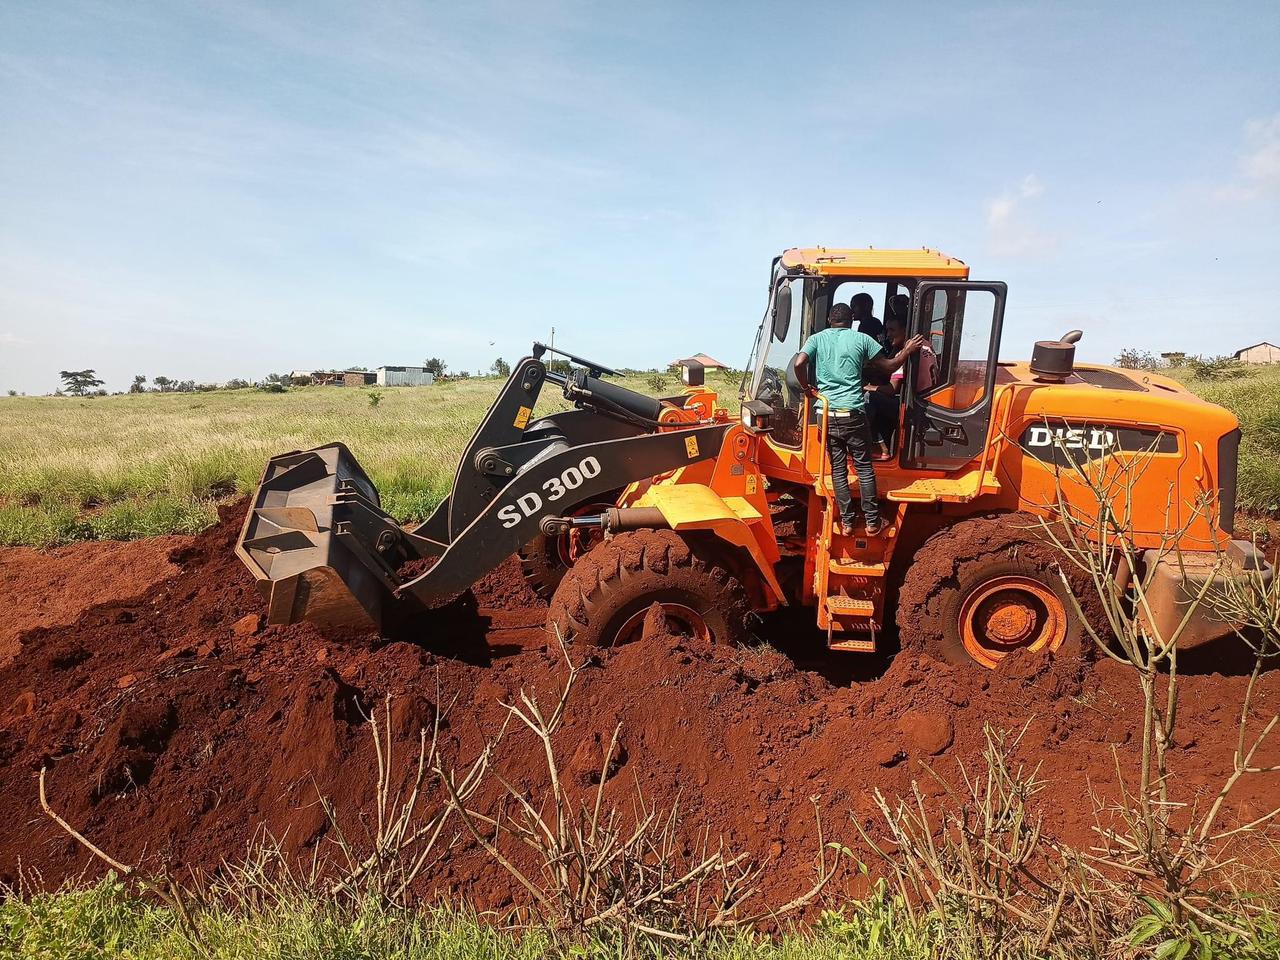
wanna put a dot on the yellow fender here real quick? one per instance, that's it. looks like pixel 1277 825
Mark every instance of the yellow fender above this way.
pixel 694 506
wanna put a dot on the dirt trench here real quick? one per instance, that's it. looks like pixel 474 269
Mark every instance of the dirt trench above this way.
pixel 176 727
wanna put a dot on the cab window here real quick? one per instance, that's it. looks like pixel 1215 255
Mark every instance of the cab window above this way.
pixel 959 331
pixel 775 385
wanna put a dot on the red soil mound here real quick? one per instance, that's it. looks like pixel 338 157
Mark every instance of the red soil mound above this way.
pixel 174 725
pixel 42 589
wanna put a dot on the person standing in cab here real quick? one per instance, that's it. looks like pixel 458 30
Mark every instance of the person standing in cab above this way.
pixel 839 356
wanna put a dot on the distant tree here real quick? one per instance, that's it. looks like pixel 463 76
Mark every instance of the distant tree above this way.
pixel 13 393
pixel 501 368
pixel 80 382
pixel 139 384
pixel 434 366
pixel 300 381
pixel 186 386
pixel 1131 359
pixel 235 383
pixel 164 383
pixel 559 366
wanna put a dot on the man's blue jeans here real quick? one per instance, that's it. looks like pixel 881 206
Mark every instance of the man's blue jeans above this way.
pixel 849 438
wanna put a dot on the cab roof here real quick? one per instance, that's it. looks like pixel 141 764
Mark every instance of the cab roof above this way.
pixel 869 262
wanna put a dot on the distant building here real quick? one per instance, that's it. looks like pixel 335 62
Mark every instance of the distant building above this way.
pixel 1259 353
pixel 709 363
pixel 359 378
pixel 404 377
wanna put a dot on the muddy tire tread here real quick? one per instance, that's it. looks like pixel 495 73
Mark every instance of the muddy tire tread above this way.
pixel 612 574
pixel 952 554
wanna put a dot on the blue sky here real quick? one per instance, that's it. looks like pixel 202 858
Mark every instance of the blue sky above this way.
pixel 223 189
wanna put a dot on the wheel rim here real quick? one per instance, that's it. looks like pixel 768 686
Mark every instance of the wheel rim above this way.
pixel 1011 613
pixel 572 545
pixel 680 619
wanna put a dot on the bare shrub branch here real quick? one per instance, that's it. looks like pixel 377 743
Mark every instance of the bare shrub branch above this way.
pixel 630 877
pixel 411 822
pixel 1153 841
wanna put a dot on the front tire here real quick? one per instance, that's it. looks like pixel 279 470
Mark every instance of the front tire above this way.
pixel 545 560
pixel 603 599
pixel 984 588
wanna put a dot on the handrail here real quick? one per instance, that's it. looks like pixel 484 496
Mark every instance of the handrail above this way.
pixel 822 438
pixel 988 448
pixel 1204 465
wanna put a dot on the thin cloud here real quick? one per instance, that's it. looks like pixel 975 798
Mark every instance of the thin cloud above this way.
pixel 1258 165
pixel 1009 230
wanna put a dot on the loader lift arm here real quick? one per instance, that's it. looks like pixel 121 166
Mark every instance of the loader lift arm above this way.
pixel 323 550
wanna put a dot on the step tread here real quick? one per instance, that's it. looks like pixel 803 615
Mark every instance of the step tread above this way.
pixel 853 646
pixel 856 568
pixel 853 606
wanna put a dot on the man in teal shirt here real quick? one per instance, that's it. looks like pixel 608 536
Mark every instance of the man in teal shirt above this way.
pixel 838 356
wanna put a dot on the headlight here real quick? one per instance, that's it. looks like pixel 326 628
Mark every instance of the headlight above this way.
pixel 757 416
pixel 692 373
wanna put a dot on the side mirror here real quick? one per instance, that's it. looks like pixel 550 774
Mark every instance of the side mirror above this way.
pixel 782 311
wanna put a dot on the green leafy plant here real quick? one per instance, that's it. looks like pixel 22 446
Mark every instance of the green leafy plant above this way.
pixel 1216 368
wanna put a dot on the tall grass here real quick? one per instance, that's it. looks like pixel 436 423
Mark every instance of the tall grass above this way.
pixel 1255 400
pixel 273 922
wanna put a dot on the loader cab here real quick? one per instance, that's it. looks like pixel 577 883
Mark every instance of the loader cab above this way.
pixel 939 427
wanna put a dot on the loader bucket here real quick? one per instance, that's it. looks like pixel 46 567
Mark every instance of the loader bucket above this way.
pixel 321 548
pixel 293 541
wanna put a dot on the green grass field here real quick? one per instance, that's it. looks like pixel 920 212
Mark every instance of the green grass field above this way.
pixel 147 464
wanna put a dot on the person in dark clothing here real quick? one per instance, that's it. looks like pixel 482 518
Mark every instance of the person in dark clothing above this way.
pixel 898 308
pixel 862 306
pixel 883 406
pixel 839 356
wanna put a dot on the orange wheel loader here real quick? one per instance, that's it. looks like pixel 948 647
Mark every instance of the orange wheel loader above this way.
pixel 628 500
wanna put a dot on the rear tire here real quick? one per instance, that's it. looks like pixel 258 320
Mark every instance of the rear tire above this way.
pixel 983 588
pixel 603 599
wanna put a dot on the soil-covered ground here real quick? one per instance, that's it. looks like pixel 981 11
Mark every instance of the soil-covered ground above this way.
pixel 176 727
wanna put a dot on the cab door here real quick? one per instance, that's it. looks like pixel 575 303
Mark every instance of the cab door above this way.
pixel 946 418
